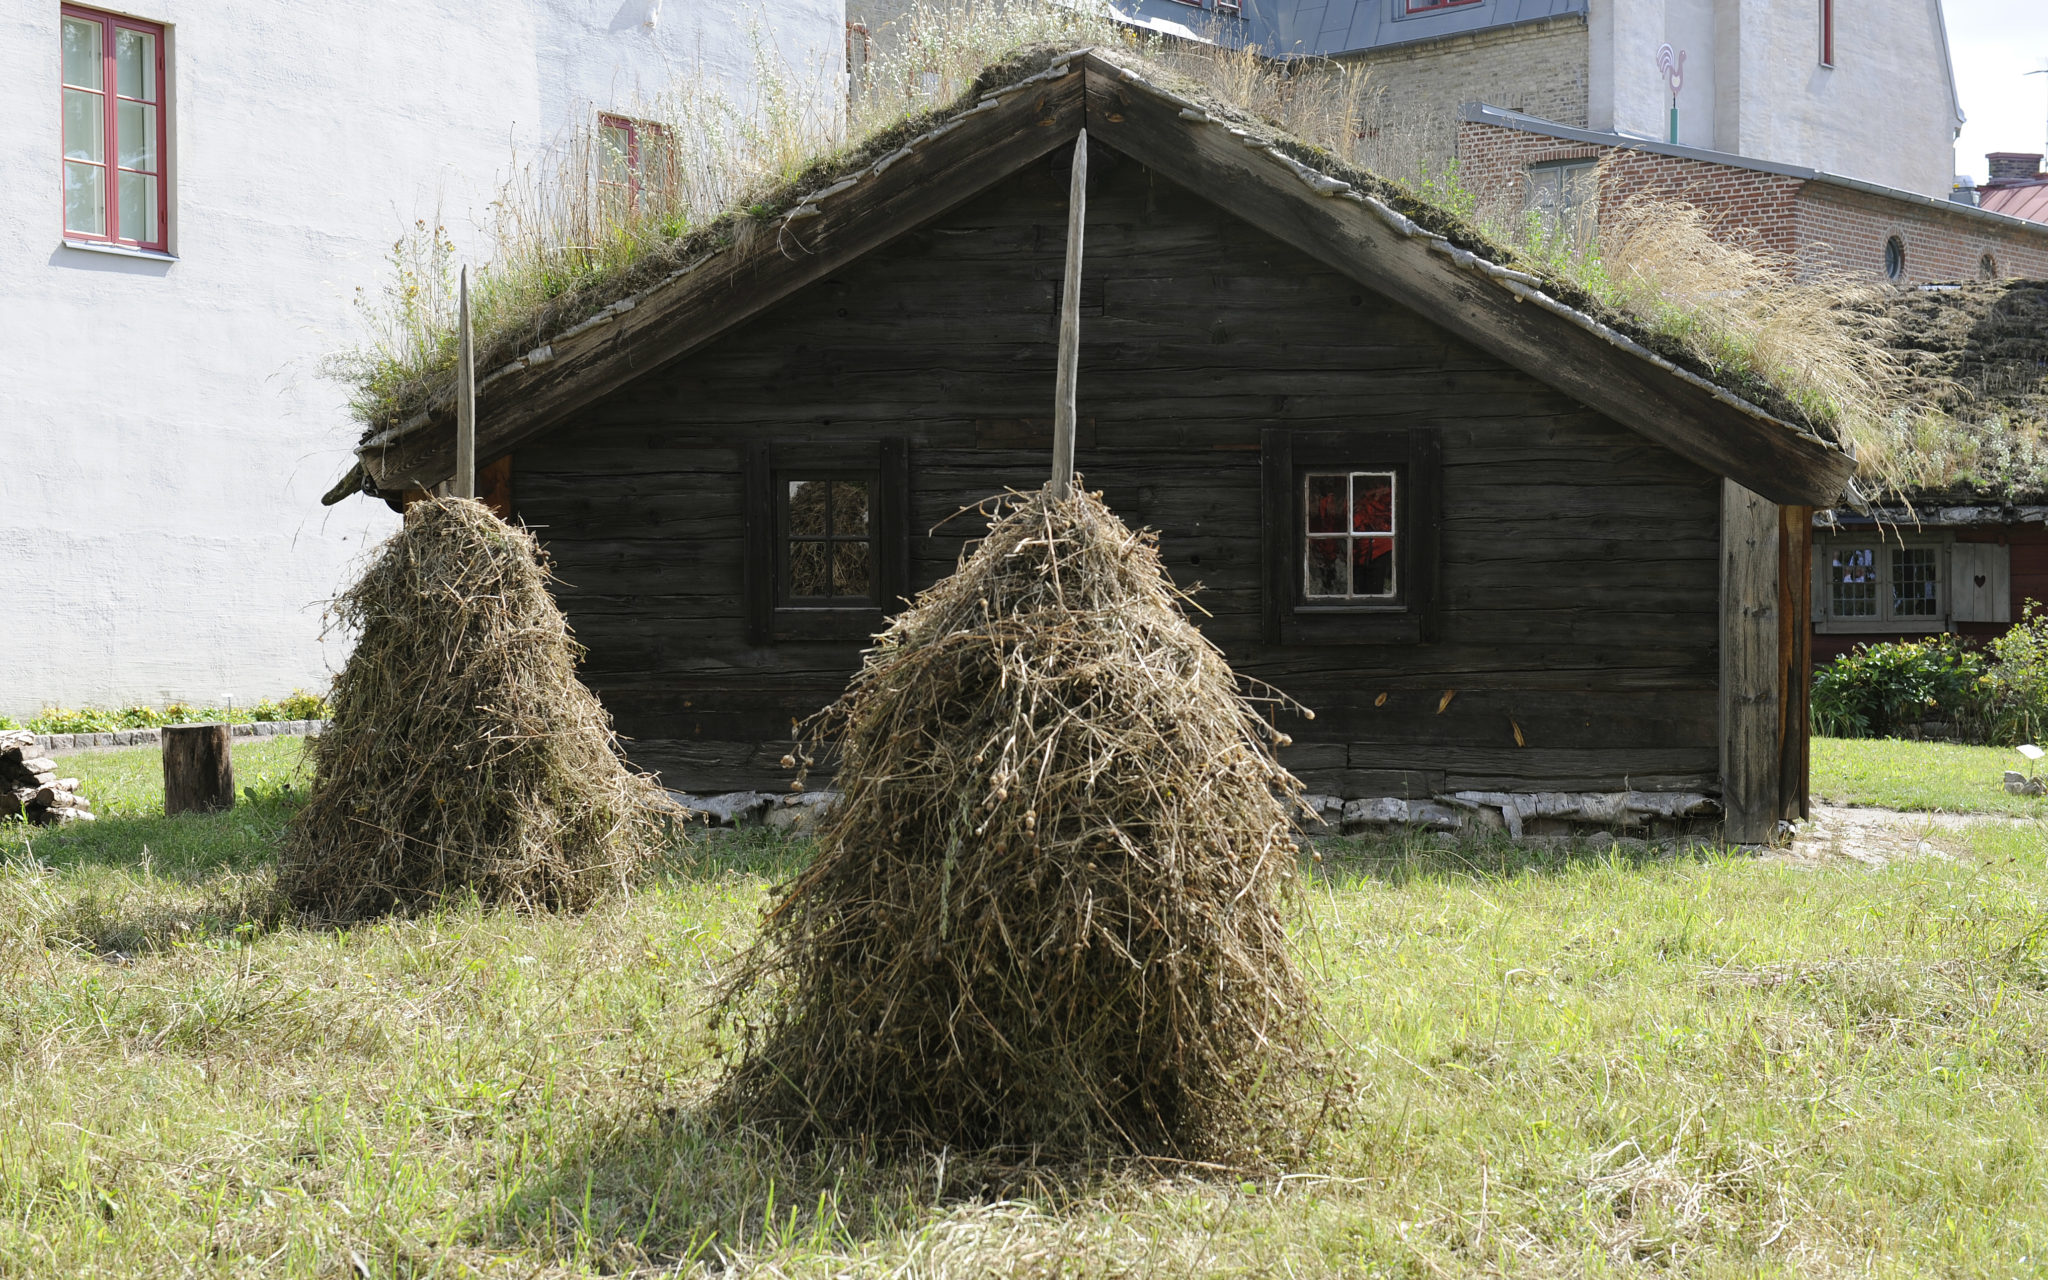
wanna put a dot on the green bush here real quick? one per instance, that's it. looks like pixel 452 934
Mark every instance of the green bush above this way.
pixel 1996 695
pixel 1881 690
pixel 299 706
pixel 2019 711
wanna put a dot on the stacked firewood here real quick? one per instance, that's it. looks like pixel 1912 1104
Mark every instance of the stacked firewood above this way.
pixel 30 787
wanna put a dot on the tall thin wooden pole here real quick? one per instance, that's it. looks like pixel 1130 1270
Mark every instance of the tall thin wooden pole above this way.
pixel 1070 327
pixel 465 400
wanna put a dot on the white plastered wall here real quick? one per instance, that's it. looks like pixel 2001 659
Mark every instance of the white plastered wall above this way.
pixel 165 432
pixel 1754 84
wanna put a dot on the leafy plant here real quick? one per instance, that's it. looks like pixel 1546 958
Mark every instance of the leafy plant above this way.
pixel 300 705
pixel 2019 711
pixel 1881 690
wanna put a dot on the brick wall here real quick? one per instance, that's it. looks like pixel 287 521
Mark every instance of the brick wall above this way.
pixel 1819 222
pixel 1537 67
pixel 1854 226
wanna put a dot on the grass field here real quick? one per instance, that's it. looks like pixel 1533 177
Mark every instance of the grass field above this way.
pixel 1570 1065
pixel 1920 775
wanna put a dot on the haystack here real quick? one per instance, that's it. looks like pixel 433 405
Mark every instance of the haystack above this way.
pixel 1045 912
pixel 463 755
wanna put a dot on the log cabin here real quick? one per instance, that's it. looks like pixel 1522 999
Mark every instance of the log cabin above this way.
pixel 1494 542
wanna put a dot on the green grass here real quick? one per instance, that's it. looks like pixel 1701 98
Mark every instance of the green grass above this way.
pixel 1943 776
pixel 1570 1065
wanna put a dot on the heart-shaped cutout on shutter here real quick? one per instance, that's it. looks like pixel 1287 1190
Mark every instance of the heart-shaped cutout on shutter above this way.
pixel 1980 581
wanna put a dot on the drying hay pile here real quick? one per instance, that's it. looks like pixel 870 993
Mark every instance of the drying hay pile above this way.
pixel 463 755
pixel 1045 911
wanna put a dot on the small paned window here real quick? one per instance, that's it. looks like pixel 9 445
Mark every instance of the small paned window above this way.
pixel 1350 534
pixel 1881 585
pixel 115 130
pixel 1432 6
pixel 1827 33
pixel 828 552
pixel 634 155
pixel 1894 258
pixel 1987 267
pixel 1560 191
pixel 827 537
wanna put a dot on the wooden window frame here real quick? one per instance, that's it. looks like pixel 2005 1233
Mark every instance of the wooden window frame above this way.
pixel 1416 458
pixel 636 172
pixel 1827 33
pixel 159 238
pixel 1885 623
pixel 771 617
pixel 1423 8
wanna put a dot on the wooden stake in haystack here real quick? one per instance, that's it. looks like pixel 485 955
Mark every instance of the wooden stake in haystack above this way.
pixel 1045 912
pixel 464 756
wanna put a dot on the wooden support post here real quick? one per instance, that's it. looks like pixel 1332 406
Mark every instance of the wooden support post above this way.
pixel 1070 326
pixel 1752 724
pixel 199 770
pixel 1795 662
pixel 465 397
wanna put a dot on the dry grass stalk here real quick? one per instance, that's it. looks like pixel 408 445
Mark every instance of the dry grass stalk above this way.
pixel 1046 912
pixel 463 756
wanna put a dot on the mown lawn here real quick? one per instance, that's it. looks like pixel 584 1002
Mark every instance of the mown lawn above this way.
pixel 1570 1065
pixel 1943 776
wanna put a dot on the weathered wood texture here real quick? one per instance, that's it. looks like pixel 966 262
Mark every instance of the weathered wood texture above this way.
pixel 1795 661
pixel 199 768
pixel 1753 692
pixel 1579 582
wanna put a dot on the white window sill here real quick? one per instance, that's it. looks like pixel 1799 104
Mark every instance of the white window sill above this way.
pixel 121 251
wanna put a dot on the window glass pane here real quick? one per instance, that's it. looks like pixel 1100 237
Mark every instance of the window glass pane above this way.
pixel 1914 592
pixel 135 64
pixel 85 122
pixel 1372 566
pixel 1372 502
pixel 617 149
pixel 850 576
pixel 657 159
pixel 138 207
pixel 82 53
pixel 136 122
pixel 849 508
pixel 1852 582
pixel 809 570
pixel 1327 574
pixel 807 499
pixel 1328 496
pixel 85 198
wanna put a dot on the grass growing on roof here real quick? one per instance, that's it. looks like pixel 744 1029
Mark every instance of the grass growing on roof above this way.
pixel 1573 1065
pixel 565 248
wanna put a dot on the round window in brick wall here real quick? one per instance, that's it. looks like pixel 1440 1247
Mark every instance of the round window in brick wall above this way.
pixel 1987 267
pixel 1895 259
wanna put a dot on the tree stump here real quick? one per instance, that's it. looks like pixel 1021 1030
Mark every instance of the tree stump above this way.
pixel 199 771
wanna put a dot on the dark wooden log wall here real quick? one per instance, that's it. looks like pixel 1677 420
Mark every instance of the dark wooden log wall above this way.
pixel 1580 584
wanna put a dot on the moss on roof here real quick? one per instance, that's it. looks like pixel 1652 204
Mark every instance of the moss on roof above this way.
pixel 1977 356
pixel 571 308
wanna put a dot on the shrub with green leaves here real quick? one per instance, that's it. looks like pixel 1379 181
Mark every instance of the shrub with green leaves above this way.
pixel 300 705
pixel 1882 690
pixel 2019 710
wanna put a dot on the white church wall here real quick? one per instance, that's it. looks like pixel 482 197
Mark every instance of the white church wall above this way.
pixel 165 432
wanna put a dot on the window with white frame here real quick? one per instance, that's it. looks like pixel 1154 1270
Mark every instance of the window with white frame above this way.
pixel 1881 585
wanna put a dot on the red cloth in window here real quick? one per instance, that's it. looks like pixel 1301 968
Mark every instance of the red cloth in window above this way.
pixel 1373 510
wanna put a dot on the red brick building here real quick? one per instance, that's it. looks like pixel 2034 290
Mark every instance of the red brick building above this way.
pixel 2016 186
pixel 1507 158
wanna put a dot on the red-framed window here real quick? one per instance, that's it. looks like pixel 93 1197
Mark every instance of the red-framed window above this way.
pixel 634 155
pixel 114 130
pixel 1827 33
pixel 1431 6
